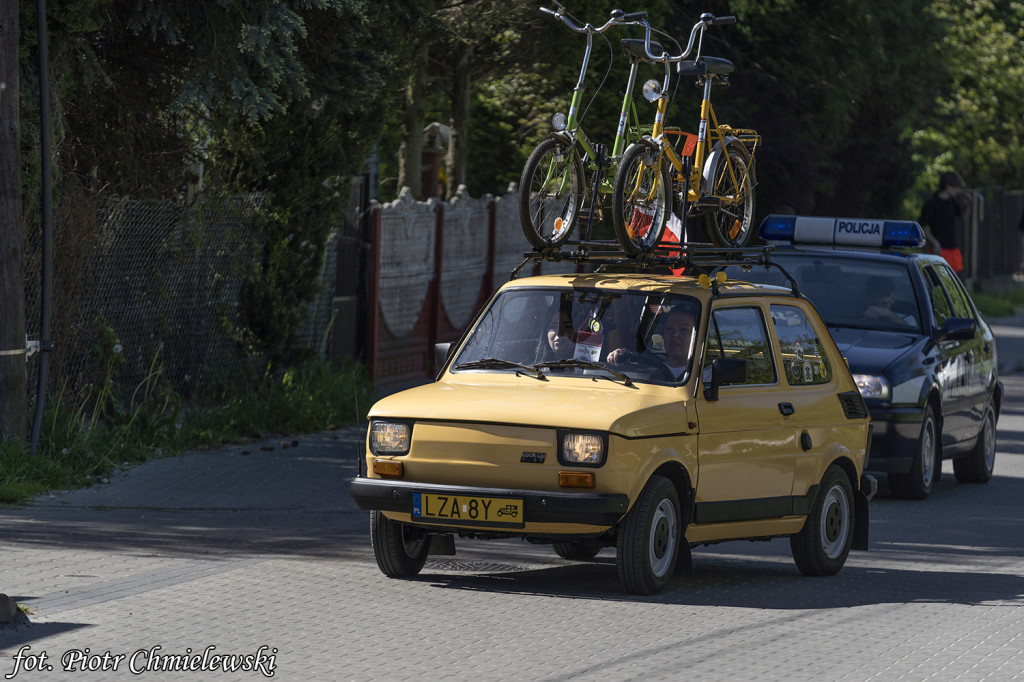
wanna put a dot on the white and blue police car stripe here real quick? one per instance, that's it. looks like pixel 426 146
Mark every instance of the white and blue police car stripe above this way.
pixel 842 231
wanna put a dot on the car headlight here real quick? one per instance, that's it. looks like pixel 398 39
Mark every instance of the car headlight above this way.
pixel 873 386
pixel 582 449
pixel 390 438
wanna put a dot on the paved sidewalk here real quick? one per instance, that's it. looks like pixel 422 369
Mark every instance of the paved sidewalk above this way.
pixel 159 556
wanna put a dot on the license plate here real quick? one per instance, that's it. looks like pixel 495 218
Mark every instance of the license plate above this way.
pixel 468 510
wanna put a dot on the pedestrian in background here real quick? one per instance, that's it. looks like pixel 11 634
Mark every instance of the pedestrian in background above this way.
pixel 941 214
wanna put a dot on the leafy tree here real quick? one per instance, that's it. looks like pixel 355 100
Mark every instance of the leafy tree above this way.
pixel 833 88
pixel 269 96
pixel 974 123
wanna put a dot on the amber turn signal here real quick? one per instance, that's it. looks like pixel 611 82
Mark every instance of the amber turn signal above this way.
pixel 387 468
pixel 575 479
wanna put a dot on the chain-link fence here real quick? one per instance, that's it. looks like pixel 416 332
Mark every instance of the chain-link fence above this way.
pixel 157 285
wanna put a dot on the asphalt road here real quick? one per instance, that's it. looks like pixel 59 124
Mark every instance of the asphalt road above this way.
pixel 258 552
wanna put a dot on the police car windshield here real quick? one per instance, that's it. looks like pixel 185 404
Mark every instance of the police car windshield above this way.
pixel 848 292
pixel 642 336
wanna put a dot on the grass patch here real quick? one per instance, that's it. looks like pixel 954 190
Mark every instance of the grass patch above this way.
pixel 79 444
pixel 999 304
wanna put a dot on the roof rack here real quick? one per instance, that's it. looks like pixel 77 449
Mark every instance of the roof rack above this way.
pixel 696 258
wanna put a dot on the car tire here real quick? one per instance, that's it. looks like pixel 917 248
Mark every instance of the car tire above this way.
pixel 977 466
pixel 577 551
pixel 926 468
pixel 822 545
pixel 649 538
pixel 400 549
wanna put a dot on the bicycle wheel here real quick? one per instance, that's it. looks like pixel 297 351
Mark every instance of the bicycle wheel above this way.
pixel 550 194
pixel 732 223
pixel 641 199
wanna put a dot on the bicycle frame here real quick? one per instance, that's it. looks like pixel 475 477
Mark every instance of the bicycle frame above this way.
pixel 627 114
pixel 709 131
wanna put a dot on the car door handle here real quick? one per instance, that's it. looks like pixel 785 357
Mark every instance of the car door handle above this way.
pixel 786 409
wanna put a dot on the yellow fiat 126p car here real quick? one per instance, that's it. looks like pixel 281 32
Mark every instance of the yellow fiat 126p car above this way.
pixel 649 413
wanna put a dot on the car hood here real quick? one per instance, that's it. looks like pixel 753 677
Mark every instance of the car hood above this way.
pixel 870 351
pixel 574 403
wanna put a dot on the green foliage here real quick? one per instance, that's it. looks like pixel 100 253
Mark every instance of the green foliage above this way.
pixel 1001 304
pixel 273 97
pixel 81 443
pixel 974 124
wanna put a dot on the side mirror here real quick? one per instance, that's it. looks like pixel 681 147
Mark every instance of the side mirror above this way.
pixel 956 329
pixel 442 351
pixel 725 371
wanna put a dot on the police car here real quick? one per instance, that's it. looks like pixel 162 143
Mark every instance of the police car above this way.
pixel 639 412
pixel 923 357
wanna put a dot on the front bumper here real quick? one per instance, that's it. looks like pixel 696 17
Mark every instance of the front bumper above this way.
pixel 894 438
pixel 540 506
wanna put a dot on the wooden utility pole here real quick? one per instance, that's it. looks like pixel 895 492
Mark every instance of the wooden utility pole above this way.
pixel 13 410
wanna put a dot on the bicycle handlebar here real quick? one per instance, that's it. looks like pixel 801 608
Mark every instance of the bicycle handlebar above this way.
pixel 706 19
pixel 617 18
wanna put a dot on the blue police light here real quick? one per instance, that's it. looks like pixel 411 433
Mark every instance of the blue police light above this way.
pixel 842 231
pixel 778 228
pixel 902 233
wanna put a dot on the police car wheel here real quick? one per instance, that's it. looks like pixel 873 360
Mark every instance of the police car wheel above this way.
pixel 400 550
pixel 649 538
pixel 927 465
pixel 977 466
pixel 822 545
pixel 577 551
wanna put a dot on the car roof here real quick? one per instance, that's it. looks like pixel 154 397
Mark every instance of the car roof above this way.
pixel 645 282
pixel 864 253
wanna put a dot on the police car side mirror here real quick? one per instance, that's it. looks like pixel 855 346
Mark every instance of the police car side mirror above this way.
pixel 725 371
pixel 956 329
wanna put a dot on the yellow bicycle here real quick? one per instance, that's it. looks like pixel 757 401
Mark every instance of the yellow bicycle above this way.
pixel 712 174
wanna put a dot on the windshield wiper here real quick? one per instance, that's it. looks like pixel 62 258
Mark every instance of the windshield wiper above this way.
pixel 587 364
pixel 497 363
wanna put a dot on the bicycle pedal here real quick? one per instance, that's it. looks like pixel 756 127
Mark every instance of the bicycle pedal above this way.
pixel 709 202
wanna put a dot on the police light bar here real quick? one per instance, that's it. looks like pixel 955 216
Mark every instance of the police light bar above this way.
pixel 842 231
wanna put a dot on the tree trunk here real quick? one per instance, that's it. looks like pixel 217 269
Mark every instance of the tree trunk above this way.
pixel 13 410
pixel 458 143
pixel 410 152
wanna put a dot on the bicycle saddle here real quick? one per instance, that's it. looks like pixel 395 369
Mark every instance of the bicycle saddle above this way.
pixel 634 47
pixel 702 66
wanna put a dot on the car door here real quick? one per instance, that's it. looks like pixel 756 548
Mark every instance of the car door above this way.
pixel 747 447
pixel 962 369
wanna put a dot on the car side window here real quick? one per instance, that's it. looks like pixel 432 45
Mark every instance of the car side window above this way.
pixel 942 309
pixel 741 333
pixel 803 359
pixel 957 296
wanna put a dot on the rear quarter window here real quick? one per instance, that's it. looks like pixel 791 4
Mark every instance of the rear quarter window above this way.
pixel 804 360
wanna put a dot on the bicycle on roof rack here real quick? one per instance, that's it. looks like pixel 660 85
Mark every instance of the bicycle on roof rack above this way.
pixel 713 175
pixel 553 186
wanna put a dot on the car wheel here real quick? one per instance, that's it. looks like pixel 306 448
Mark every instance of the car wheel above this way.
pixel 977 466
pixel 649 538
pixel 926 467
pixel 822 545
pixel 577 551
pixel 400 549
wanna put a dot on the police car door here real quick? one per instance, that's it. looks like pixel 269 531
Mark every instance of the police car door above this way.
pixel 961 361
pixel 747 448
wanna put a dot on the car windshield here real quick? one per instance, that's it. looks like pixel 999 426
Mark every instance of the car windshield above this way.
pixel 621 336
pixel 848 292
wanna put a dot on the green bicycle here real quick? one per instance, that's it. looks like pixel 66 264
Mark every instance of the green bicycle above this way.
pixel 552 188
